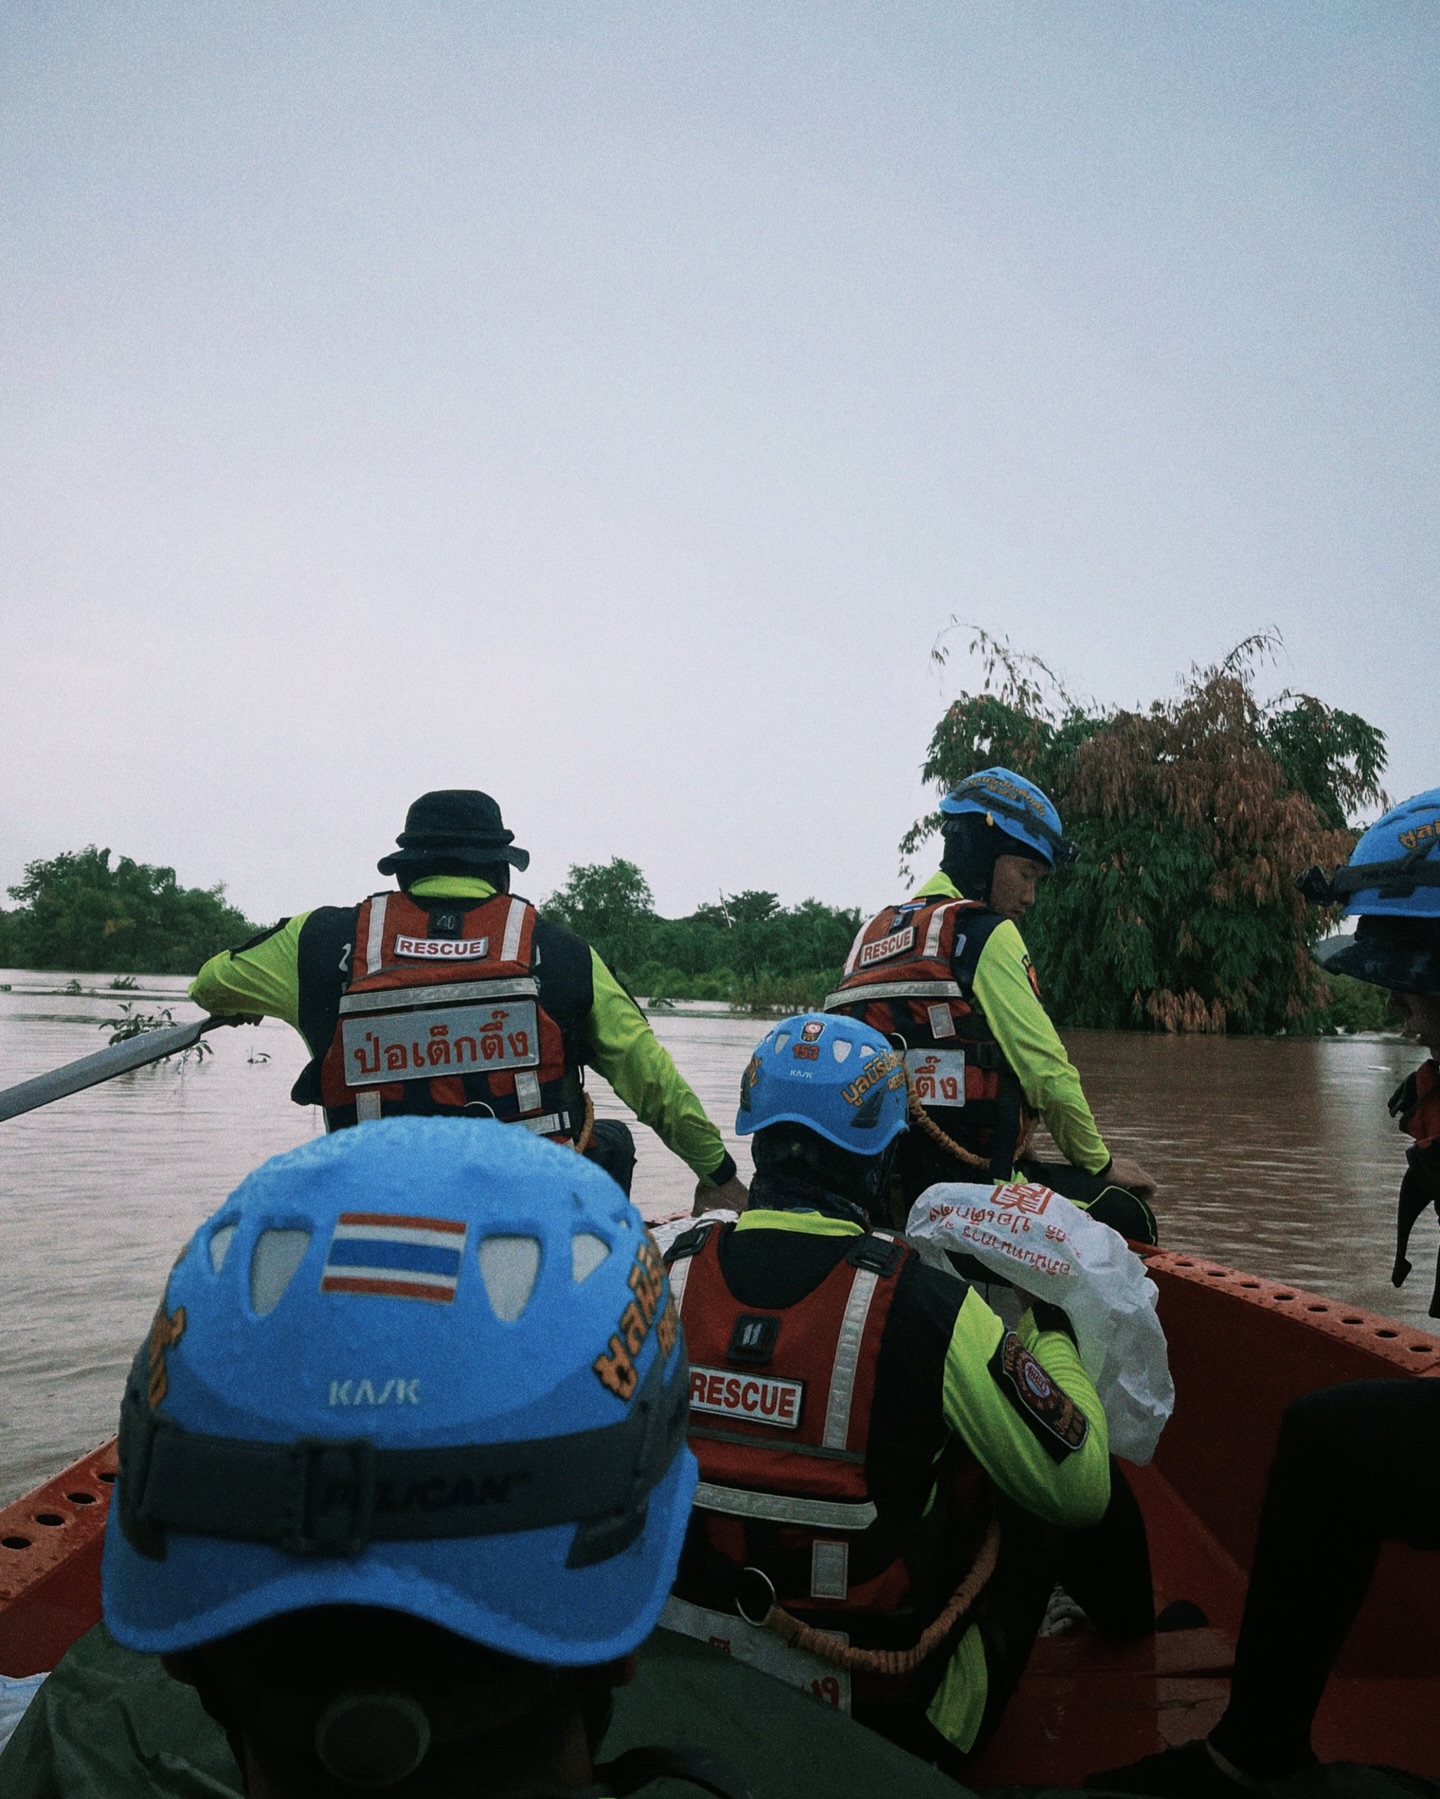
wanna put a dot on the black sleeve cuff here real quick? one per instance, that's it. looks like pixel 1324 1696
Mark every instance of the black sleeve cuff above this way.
pixel 726 1171
pixel 1050 1318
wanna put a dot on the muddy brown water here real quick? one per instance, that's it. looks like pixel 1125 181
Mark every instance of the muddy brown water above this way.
pixel 1273 1155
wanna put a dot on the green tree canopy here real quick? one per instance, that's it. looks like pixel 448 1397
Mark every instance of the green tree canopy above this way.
pixel 78 912
pixel 1193 818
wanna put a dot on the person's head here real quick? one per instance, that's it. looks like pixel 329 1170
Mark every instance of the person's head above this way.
pixel 1002 836
pixel 455 831
pixel 825 1100
pixel 403 1480
pixel 1391 885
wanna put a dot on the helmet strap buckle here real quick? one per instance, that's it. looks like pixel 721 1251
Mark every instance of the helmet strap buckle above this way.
pixel 335 1490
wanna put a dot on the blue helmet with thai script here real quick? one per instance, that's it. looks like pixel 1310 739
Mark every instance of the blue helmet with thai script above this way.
pixel 1017 808
pixel 1393 871
pixel 839 1078
pixel 428 1365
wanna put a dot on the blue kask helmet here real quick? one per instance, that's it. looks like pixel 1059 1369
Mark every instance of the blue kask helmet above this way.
pixel 1018 808
pixel 430 1365
pixel 1393 871
pixel 826 1071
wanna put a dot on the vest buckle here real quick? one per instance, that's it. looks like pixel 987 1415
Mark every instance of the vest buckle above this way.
pixel 880 1255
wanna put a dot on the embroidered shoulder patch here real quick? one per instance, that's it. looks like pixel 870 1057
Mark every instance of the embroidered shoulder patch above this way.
pixel 1051 1416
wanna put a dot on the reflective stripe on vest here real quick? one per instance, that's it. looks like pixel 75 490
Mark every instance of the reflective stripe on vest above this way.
pixel 399 999
pixel 375 940
pixel 851 996
pixel 781 1508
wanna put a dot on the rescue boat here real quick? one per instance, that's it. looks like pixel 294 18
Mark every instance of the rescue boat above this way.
pixel 1241 1348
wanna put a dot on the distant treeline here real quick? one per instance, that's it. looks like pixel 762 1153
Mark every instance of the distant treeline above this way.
pixel 1193 817
pixel 80 912
pixel 748 949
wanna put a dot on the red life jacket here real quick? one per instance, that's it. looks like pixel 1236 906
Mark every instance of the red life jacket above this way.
pixel 780 1412
pixel 910 975
pixel 448 1024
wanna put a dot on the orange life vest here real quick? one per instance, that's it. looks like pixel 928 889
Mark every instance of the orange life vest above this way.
pixel 452 1023
pixel 780 1415
pixel 910 975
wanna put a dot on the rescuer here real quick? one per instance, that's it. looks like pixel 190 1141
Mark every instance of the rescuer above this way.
pixel 453 996
pixel 394 1496
pixel 1368 1451
pixel 946 976
pixel 877 1452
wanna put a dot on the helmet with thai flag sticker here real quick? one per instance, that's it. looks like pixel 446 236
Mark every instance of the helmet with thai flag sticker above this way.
pixel 428 1365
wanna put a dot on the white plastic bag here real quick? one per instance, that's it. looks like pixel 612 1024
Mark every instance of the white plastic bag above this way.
pixel 1055 1251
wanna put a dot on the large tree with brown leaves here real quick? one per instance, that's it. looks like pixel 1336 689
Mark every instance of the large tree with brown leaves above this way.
pixel 1193 818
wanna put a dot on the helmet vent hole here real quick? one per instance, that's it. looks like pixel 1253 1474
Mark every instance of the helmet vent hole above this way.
pixel 508 1267
pixel 840 1048
pixel 781 1039
pixel 273 1261
pixel 220 1241
pixel 587 1252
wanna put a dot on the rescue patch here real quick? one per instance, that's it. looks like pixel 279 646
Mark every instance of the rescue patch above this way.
pixel 451 949
pixel 810 1032
pixel 884 948
pixel 756 1398
pixel 1052 1417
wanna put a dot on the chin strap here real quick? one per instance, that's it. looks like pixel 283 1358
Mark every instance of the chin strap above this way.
pixel 636 1768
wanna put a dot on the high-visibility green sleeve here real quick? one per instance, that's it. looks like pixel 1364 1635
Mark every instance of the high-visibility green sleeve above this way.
pixel 1063 1485
pixel 1032 1047
pixel 264 978
pixel 625 1050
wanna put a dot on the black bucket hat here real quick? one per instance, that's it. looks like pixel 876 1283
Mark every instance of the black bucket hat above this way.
pixel 454 825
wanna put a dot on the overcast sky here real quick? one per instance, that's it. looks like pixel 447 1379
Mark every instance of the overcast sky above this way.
pixel 607 406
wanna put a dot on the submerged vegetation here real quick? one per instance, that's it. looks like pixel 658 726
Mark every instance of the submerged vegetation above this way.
pixel 79 910
pixel 1193 818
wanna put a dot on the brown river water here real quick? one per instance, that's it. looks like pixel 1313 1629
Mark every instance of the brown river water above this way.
pixel 1275 1155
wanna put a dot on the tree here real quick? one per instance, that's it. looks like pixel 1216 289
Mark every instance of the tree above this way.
pixel 1193 818
pixel 78 912
pixel 607 903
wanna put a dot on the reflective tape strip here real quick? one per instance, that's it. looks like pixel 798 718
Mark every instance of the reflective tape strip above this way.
pixel 937 924
pixel 375 942
pixel 679 1274
pixel 781 1508
pixel 847 1359
pixel 510 949
pixel 861 995
pixel 444 993
pixel 851 959
pixel 548 1126
pixel 527 1090
pixel 367 1106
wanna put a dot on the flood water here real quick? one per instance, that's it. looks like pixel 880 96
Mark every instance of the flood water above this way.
pixel 1274 1155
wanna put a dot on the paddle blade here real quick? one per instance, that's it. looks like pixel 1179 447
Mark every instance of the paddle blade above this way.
pixel 89 1071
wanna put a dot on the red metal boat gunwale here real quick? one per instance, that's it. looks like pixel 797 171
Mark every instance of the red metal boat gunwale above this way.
pixel 1241 1348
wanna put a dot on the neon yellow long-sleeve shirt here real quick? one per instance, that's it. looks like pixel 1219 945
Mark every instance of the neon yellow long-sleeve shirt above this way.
pixel 623 1049
pixel 1006 995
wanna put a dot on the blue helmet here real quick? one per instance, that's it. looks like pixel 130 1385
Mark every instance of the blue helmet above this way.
pixel 1016 807
pixel 429 1365
pixel 1393 871
pixel 837 1077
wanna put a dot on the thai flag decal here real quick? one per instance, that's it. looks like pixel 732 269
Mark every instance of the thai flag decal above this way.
pixel 402 1258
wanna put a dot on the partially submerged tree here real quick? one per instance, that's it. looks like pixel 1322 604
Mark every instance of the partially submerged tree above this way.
pixel 1193 818
pixel 79 911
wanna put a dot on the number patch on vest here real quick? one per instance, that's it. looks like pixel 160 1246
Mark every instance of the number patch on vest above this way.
pixel 448 949
pixel 412 1046
pixel 1052 1416
pixel 884 948
pixel 756 1398
pixel 938 1074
